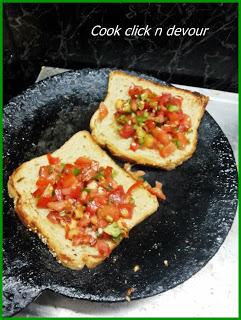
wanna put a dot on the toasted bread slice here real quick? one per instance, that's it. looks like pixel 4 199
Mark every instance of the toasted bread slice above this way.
pixel 105 133
pixel 23 182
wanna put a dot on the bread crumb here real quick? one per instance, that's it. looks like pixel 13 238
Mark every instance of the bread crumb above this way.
pixel 136 268
pixel 128 298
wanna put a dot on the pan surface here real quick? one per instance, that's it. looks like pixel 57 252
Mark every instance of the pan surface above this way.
pixel 187 230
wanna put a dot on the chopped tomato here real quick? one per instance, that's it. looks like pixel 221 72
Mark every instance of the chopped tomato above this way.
pixel 82 239
pixel 83 162
pixel 117 195
pixel 54 217
pixel 105 236
pixel 68 168
pixel 102 223
pixel 134 146
pixel 38 192
pixel 134 91
pixel 44 171
pixel 177 101
pixel 68 180
pixel 127 131
pixel 150 124
pixel 103 111
pixel 173 116
pixel 103 248
pixel 185 123
pixel 109 211
pixel 108 173
pixel 182 141
pixel 126 210
pixel 163 99
pixel 133 105
pixel 56 205
pixel 42 183
pixel 88 173
pixel 52 160
pixel 75 192
pixel 161 136
pixel 43 202
pixel 137 184
pixel 167 150
pixel 84 222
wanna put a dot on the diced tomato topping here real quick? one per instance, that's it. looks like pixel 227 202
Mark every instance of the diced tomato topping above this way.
pixel 133 104
pixel 54 217
pixel 182 141
pixel 109 211
pixel 136 185
pixel 56 205
pixel 103 111
pixel 117 195
pixel 163 99
pixel 81 239
pixel 126 210
pixel 83 162
pixel 177 101
pixel 134 146
pixel 103 248
pixel 68 168
pixel 150 124
pixel 52 160
pixel 108 173
pixel 44 201
pixel 134 91
pixel 167 150
pixel 44 171
pixel 127 131
pixel 42 183
pixel 68 180
pixel 161 136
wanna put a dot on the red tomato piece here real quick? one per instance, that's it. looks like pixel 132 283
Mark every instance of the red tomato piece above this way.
pixel 75 192
pixel 134 146
pixel 137 184
pixel 127 131
pixel 117 195
pixel 54 217
pixel 161 136
pixel 177 101
pixel 43 202
pixel 173 116
pixel 167 150
pixel 103 111
pixel 68 180
pixel 44 171
pixel 84 222
pixel 42 183
pixel 182 140
pixel 150 124
pixel 103 248
pixel 108 173
pixel 185 123
pixel 83 162
pixel 163 99
pixel 135 90
pixel 102 223
pixel 56 205
pixel 52 160
pixel 109 210
pixel 58 194
pixel 128 207
pixel 81 239
pixel 68 168
pixel 133 104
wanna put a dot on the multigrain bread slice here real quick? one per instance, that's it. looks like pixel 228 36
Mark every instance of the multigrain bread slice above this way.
pixel 22 183
pixel 105 133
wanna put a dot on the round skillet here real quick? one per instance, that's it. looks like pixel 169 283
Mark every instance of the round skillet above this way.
pixel 187 230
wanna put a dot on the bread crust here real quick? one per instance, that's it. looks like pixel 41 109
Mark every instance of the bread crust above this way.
pixel 30 215
pixel 138 157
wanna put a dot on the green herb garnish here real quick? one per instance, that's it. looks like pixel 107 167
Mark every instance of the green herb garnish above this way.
pixel 76 171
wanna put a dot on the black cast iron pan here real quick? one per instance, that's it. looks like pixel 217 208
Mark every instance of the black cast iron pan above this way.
pixel 187 230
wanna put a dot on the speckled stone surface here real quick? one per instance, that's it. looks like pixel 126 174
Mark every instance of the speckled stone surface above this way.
pixel 187 230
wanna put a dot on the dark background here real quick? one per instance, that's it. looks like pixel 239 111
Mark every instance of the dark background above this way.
pixel 59 35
